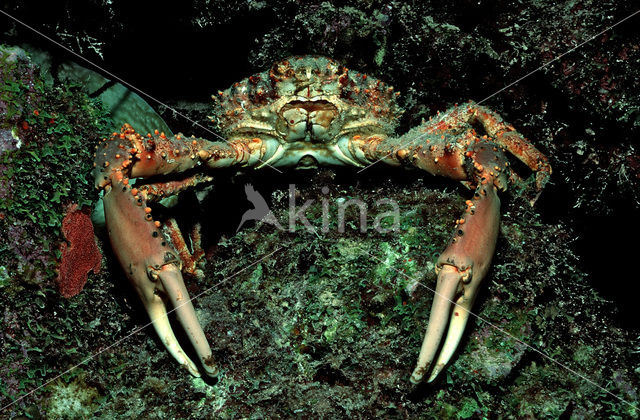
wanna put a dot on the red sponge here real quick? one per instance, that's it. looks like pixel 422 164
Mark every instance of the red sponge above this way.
pixel 81 255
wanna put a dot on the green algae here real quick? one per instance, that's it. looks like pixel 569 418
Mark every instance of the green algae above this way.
pixel 48 135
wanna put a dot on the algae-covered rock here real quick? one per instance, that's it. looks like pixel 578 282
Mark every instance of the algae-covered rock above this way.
pixel 48 132
pixel 72 401
pixel 330 324
pixel 122 104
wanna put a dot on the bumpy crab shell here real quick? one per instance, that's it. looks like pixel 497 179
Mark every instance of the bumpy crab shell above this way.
pixel 258 104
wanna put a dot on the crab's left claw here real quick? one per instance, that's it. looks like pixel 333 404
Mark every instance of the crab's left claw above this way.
pixel 449 313
pixel 461 268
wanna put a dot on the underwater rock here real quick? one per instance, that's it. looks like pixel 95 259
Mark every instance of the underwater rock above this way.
pixel 318 331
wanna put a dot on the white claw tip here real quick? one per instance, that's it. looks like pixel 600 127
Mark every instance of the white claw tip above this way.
pixel 417 375
pixel 212 372
pixel 193 371
pixel 436 371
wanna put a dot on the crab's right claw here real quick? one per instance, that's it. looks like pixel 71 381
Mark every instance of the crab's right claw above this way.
pixel 462 266
pixel 158 314
pixel 171 285
pixel 153 267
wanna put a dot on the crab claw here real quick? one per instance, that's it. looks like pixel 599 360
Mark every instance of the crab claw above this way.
pixel 170 282
pixel 158 314
pixel 153 267
pixel 450 313
pixel 462 266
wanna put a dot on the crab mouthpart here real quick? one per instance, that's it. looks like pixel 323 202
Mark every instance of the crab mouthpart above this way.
pixel 307 120
pixel 307 162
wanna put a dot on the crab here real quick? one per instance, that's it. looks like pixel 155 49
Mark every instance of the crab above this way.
pixel 307 111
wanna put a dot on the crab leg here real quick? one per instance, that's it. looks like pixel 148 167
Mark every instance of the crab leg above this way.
pixel 141 244
pixel 450 147
pixel 502 133
pixel 188 257
pixel 158 190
